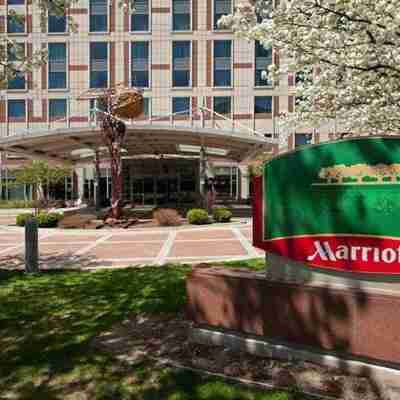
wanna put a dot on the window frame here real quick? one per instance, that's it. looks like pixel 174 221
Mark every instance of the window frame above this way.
pixel 268 85
pixel 66 88
pixel 107 19
pixel 230 105
pixel 66 32
pixel 172 18
pixel 263 113
pixel 181 115
pixel 216 29
pixel 52 119
pixel 19 9
pixel 297 134
pixel 16 118
pixel 149 70
pixel 108 63
pixel 189 86
pixel 150 20
pixel 25 74
pixel 213 64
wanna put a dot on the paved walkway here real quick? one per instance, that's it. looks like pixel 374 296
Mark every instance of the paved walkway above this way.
pixel 118 248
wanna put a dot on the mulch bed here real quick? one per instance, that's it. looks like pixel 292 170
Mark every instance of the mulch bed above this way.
pixel 167 338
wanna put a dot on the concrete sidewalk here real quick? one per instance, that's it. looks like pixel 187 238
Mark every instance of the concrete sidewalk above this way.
pixel 119 248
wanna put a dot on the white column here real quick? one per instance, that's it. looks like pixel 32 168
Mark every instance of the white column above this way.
pixel 80 173
pixel 244 182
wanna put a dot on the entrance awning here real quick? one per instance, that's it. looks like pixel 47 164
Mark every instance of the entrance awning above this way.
pixel 76 144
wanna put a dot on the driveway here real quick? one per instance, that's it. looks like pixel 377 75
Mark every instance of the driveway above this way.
pixel 118 248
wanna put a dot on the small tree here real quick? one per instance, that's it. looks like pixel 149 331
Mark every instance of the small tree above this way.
pixel 41 176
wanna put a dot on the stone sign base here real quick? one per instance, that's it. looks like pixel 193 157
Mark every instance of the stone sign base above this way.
pixel 349 320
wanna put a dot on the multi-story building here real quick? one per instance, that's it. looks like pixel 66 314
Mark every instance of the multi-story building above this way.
pixel 203 89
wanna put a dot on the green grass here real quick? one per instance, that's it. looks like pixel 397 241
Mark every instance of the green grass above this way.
pixel 47 323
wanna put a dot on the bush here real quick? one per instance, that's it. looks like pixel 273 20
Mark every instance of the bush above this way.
pixel 222 214
pixel 197 216
pixel 167 217
pixel 21 218
pixel 45 220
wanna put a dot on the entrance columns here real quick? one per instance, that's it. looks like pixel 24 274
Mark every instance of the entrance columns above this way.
pixel 244 182
pixel 80 182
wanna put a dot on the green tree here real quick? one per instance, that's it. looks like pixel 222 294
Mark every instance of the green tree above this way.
pixel 41 176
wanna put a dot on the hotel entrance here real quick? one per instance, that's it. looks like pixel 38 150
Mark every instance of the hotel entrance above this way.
pixel 161 182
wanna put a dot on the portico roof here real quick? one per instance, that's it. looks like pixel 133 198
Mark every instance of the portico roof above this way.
pixel 76 144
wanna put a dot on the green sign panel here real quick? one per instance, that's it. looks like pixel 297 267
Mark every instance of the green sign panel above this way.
pixel 335 205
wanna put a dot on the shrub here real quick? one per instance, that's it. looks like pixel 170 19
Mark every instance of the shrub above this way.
pixel 45 220
pixel 167 217
pixel 197 216
pixel 21 218
pixel 48 220
pixel 222 214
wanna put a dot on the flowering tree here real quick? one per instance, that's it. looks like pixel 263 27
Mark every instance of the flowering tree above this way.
pixel 347 51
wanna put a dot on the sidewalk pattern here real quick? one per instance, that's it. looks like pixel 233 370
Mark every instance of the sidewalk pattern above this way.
pixel 119 248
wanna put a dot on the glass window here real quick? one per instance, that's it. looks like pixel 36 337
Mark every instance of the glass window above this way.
pixel 263 61
pixel 15 2
pixel 140 64
pixel 221 7
pixel 140 16
pixel 146 107
pixel 302 139
pixel 98 65
pixel 98 21
pixel 57 109
pixel 16 110
pixel 181 105
pixel 181 15
pixel 57 60
pixel 263 105
pixel 181 63
pixel 222 63
pixel 222 105
pixel 16 23
pixel 56 23
pixel 14 53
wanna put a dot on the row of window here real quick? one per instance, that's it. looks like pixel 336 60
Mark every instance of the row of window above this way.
pixel 99 12
pixel 140 65
pixel 58 108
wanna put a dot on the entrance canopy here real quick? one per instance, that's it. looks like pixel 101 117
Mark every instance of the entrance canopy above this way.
pixel 77 144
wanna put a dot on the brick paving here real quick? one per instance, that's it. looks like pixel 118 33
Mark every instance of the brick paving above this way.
pixel 119 248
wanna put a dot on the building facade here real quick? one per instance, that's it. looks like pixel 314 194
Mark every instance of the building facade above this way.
pixel 188 67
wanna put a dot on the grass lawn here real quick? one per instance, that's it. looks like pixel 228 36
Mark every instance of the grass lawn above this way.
pixel 48 321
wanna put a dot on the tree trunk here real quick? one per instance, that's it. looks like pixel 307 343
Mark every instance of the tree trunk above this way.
pixel 117 183
pixel 31 246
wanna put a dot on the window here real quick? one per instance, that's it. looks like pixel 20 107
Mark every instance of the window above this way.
pixel 57 109
pixel 98 20
pixel 14 54
pixel 56 23
pixel 181 105
pixel 98 65
pixel 140 64
pixel 181 19
pixel 57 59
pixel 222 63
pixel 15 22
pixel 94 114
pixel 302 139
pixel 140 17
pixel 263 105
pixel 263 61
pixel 222 105
pixel 181 64
pixel 221 7
pixel 16 110
pixel 146 106
pixel 15 2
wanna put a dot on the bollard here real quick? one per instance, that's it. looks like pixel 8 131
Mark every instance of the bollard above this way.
pixel 31 246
